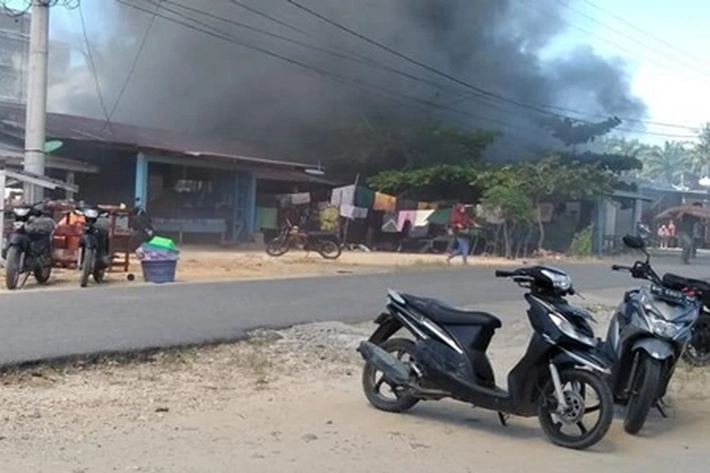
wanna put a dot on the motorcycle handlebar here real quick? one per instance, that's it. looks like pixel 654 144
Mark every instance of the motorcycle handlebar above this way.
pixel 504 274
pixel 617 267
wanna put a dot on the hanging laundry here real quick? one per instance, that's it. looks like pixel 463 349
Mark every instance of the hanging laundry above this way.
pixel 405 216
pixel 284 200
pixel 364 197
pixel 267 218
pixel 352 212
pixel 403 204
pixel 421 217
pixel 301 198
pixel 389 223
pixel 343 196
pixel 440 217
pixel 427 206
pixel 384 202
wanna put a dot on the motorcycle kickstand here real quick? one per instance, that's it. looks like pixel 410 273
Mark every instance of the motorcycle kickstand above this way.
pixel 503 418
pixel 25 277
pixel 661 406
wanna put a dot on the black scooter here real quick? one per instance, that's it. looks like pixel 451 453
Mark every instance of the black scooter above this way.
pixel 554 380
pixel 29 246
pixel 94 250
pixel 647 336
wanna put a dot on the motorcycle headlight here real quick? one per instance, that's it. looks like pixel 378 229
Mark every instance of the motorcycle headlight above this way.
pixel 18 225
pixel 91 213
pixel 663 328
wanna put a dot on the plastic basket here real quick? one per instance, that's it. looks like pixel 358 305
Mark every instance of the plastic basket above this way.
pixel 159 271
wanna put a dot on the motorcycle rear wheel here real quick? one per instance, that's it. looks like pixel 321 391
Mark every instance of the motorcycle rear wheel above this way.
pixel 42 275
pixel 371 385
pixel 329 249
pixel 552 423
pixel 645 393
pixel 277 247
pixel 697 353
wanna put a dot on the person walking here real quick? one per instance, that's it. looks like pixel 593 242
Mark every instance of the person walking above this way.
pixel 459 224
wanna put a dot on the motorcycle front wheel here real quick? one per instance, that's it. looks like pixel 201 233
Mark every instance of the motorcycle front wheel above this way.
pixel 697 353
pixel 585 394
pixel 644 393
pixel 88 262
pixel 277 247
pixel 13 261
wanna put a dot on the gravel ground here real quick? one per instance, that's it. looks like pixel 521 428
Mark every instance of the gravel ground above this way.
pixel 285 400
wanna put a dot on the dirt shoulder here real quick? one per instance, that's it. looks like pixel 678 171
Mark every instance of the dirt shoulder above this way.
pixel 291 401
pixel 215 264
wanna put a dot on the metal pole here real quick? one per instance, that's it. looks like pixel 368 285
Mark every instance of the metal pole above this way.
pixel 36 115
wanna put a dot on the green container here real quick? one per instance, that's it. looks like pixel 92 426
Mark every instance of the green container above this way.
pixel 163 243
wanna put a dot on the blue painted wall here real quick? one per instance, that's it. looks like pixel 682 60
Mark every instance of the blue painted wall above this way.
pixel 243 184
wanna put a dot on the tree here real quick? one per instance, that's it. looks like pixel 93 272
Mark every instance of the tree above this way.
pixel 508 199
pixel 700 154
pixel 666 163
pixel 577 132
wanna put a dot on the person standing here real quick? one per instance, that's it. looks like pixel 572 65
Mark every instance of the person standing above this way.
pixel 698 235
pixel 663 236
pixel 686 228
pixel 672 235
pixel 460 223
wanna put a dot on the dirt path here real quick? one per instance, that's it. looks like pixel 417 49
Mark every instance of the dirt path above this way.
pixel 214 264
pixel 291 401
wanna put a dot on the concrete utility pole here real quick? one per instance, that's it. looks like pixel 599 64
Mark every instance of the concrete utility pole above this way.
pixel 36 97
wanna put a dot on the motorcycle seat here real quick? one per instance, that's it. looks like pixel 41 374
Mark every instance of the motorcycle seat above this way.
pixel 674 281
pixel 444 314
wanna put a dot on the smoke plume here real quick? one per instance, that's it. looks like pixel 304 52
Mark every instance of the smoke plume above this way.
pixel 190 81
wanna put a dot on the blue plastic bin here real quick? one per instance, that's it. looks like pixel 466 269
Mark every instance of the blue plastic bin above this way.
pixel 159 271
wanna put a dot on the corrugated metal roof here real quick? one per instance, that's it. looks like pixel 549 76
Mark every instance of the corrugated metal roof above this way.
pixel 121 135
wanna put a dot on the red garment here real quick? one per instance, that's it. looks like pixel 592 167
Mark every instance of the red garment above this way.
pixel 459 218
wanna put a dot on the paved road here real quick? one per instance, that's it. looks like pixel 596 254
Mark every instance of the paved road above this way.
pixel 37 325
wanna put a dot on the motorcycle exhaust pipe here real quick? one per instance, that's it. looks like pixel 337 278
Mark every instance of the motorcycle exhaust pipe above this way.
pixel 394 371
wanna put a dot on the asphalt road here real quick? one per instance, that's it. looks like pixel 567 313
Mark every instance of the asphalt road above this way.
pixel 38 325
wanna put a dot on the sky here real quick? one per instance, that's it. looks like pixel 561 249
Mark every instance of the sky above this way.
pixel 663 44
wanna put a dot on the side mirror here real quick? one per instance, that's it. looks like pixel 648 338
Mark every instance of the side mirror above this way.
pixel 634 242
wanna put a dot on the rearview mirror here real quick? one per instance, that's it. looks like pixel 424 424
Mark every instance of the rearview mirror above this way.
pixel 634 242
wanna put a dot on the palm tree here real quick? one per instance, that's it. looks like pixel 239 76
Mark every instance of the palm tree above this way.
pixel 700 155
pixel 667 163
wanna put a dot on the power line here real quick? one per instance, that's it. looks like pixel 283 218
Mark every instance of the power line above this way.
pixel 132 69
pixel 643 32
pixel 624 35
pixel 369 61
pixel 93 68
pixel 482 91
pixel 211 31
pixel 339 78
pixel 269 17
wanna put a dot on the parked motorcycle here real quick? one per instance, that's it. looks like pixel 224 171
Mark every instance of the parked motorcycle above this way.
pixel 325 243
pixel 697 352
pixel 646 338
pixel 94 250
pixel 555 380
pixel 29 246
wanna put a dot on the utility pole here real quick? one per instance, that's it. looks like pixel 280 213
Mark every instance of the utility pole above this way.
pixel 36 113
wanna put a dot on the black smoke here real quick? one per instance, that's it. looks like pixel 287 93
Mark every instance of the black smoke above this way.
pixel 193 82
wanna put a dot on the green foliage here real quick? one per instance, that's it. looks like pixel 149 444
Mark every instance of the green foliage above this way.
pixel 576 132
pixel 370 148
pixel 440 181
pixel 582 243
